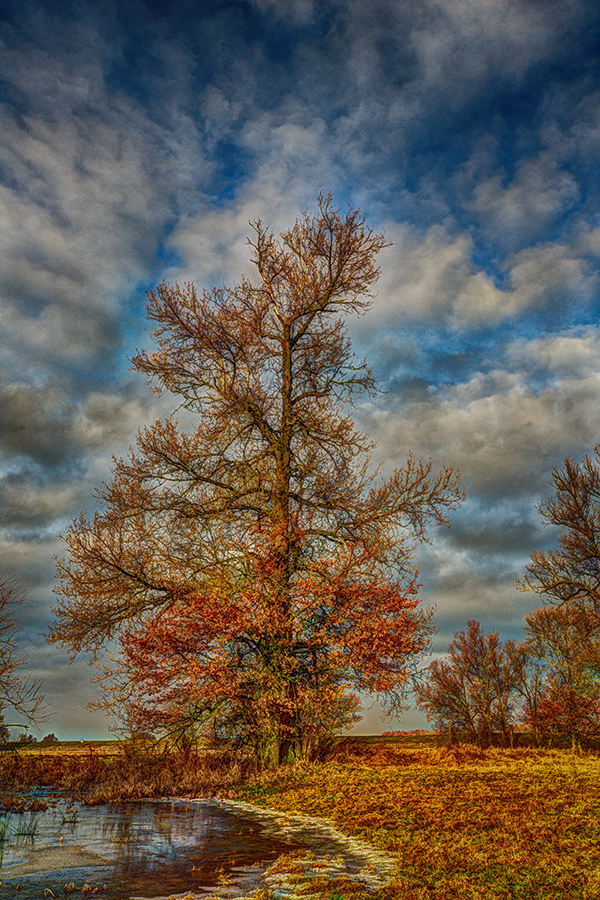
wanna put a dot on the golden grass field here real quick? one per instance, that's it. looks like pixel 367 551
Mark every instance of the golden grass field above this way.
pixel 463 823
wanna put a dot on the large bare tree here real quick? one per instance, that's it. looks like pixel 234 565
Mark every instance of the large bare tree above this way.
pixel 258 563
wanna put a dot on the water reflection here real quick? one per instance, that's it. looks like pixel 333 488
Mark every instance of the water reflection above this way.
pixel 136 850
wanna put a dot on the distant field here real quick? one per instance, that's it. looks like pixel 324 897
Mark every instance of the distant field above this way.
pixel 77 748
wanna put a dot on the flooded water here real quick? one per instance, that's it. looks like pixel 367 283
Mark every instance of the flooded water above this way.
pixel 138 850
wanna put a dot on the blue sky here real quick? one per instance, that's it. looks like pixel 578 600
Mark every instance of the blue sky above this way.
pixel 139 139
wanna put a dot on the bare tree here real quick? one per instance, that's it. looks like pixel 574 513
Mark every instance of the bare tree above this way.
pixel 565 634
pixel 472 694
pixel 566 641
pixel 18 689
pixel 257 560
pixel 571 573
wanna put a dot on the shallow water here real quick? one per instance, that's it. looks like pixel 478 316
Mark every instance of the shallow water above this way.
pixel 138 850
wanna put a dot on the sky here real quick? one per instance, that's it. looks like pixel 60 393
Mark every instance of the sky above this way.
pixel 141 137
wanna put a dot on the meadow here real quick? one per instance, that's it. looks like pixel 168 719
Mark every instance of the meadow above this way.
pixel 463 822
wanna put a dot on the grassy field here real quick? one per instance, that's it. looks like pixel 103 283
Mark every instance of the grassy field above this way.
pixel 463 823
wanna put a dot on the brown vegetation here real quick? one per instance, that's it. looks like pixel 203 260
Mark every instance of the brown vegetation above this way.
pixel 130 773
pixel 463 822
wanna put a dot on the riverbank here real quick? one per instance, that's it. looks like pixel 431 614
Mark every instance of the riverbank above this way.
pixel 459 822
pixel 96 775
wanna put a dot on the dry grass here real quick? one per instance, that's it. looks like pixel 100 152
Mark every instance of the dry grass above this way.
pixel 463 822
pixel 119 775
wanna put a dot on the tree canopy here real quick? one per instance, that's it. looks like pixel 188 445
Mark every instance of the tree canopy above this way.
pixel 258 566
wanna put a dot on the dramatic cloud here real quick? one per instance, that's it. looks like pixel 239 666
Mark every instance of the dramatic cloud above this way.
pixel 505 428
pixel 433 276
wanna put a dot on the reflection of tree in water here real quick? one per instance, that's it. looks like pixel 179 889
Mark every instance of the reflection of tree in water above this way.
pixel 155 833
pixel 123 828
pixel 199 838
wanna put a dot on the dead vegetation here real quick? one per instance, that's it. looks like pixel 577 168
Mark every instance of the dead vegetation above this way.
pixel 132 773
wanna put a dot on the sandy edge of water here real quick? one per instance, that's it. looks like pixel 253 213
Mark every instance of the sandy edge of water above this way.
pixel 377 868
pixel 54 859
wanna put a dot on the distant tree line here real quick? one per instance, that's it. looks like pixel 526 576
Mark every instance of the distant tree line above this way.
pixel 549 682
pixel 26 738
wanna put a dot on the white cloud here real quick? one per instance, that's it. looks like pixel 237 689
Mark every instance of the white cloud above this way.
pixel 518 213
pixel 572 357
pixel 366 101
pixel 500 36
pixel 95 179
pixel 552 274
pixel 444 53
pixel 503 431
pixel 293 167
pixel 433 276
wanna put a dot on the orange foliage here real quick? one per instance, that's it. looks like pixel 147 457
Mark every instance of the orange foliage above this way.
pixel 217 650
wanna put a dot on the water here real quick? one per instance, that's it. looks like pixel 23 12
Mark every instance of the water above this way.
pixel 137 850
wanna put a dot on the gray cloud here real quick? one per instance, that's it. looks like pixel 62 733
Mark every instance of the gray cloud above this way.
pixel 40 423
pixel 503 431
pixel 27 503
pixel 67 691
pixel 503 531
pixel 36 423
